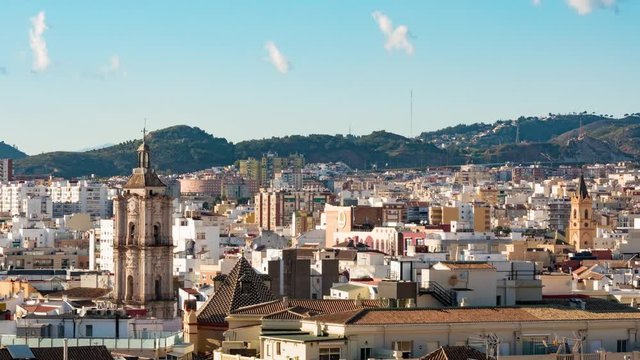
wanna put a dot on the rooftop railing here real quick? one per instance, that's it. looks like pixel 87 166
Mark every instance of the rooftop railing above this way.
pixel 162 343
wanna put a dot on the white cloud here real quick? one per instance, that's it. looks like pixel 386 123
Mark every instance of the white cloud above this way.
pixel 277 58
pixel 113 68
pixel 38 45
pixel 536 2
pixel 396 39
pixel 584 7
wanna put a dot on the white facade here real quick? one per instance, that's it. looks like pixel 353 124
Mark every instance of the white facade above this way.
pixel 13 194
pixel 80 197
pixel 105 246
pixel 28 234
pixel 67 197
pixel 194 244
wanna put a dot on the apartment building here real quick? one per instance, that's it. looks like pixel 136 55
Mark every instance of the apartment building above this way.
pixel 6 170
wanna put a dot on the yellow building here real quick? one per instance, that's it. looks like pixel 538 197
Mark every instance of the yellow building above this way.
pixel 481 218
pixel 582 225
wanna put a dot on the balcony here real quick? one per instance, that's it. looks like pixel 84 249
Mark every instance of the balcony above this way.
pixel 161 345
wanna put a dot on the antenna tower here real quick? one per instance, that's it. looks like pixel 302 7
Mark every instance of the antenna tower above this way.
pixel 411 113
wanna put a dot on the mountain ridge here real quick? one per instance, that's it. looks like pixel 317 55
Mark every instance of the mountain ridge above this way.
pixel 557 138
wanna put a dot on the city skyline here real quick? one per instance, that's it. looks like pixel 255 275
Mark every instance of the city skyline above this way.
pixel 280 69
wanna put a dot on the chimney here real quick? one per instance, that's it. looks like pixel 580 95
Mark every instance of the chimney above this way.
pixel 285 302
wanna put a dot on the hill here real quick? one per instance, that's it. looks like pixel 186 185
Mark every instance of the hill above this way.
pixel 380 148
pixel 555 138
pixel 176 149
pixel 9 152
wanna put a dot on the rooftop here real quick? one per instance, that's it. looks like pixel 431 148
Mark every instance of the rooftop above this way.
pixel 455 353
pixel 556 310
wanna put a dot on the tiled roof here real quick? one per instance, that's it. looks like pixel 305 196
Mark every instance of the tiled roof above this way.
pixel 319 306
pixel 464 265
pixel 474 315
pixel 39 308
pixel 142 180
pixel 81 293
pixel 74 352
pixel 455 353
pixel 242 287
pixel 190 291
pixel 285 315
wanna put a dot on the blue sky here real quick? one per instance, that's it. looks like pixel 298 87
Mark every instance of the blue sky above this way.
pixel 110 64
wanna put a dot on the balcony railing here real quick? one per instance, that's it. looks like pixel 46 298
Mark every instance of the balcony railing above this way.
pixel 162 343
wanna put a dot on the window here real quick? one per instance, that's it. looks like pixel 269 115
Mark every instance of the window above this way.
pixel 268 349
pixel 278 348
pixel 329 354
pixel 622 346
pixel 156 234
pixel 201 236
pixel 365 353
pixel 405 347
pixel 88 330
pixel 132 232
pixel 534 346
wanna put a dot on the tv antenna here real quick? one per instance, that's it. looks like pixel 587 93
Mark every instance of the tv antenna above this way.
pixel 489 342
pixel 411 113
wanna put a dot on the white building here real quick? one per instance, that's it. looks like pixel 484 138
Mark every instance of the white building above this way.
pixel 12 195
pixel 83 196
pixel 103 242
pixel 195 244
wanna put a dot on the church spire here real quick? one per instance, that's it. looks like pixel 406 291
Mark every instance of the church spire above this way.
pixel 143 151
pixel 583 193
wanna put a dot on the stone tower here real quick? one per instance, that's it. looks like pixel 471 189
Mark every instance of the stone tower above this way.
pixel 582 225
pixel 143 247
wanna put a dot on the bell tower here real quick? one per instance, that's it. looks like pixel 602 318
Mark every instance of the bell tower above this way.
pixel 582 225
pixel 143 246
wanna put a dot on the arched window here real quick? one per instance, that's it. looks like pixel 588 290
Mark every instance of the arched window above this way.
pixel 129 294
pixel 156 234
pixel 575 213
pixel 158 288
pixel 132 233
pixel 586 214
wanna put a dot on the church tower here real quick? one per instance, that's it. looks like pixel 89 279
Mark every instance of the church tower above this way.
pixel 582 225
pixel 143 246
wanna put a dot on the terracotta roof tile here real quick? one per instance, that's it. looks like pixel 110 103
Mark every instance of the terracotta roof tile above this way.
pixel 242 287
pixel 464 265
pixel 318 306
pixel 74 353
pixel 476 315
pixel 455 353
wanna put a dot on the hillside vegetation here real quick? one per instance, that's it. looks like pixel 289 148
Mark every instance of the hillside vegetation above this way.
pixel 554 139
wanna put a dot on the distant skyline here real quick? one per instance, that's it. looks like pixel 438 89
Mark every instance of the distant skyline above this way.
pixel 76 74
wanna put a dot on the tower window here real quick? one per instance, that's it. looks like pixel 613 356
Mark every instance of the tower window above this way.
pixel 575 213
pixel 156 234
pixel 132 232
pixel 158 289
pixel 586 214
pixel 129 294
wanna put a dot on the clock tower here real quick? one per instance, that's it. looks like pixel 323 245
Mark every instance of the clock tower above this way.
pixel 582 225
pixel 143 246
